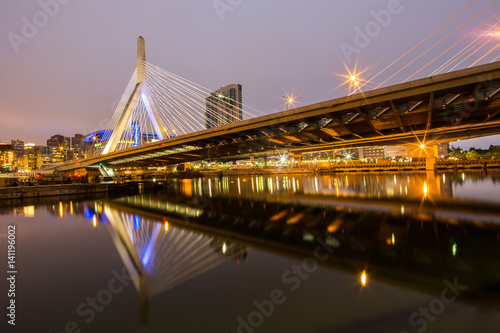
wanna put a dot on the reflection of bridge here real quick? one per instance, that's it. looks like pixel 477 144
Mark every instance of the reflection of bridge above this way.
pixel 156 255
pixel 458 105
pixel 416 251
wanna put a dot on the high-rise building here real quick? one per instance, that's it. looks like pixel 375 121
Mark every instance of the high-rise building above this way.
pixel 75 141
pixel 59 141
pixel 18 146
pixel 48 154
pixel 32 157
pixel 224 106
pixel 7 156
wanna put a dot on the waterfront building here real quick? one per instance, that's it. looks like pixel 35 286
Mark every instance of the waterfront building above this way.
pixel 371 153
pixel 32 158
pixel 7 156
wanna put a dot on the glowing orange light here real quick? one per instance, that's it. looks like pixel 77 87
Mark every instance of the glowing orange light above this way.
pixel 94 221
pixel 363 278
pixel 290 100
pixel 422 146
pixel 353 79
pixel 166 226
pixel 61 213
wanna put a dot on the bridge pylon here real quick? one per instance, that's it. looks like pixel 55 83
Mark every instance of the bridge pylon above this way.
pixel 140 93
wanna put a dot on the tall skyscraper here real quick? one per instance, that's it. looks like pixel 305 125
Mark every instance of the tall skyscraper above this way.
pixel 224 106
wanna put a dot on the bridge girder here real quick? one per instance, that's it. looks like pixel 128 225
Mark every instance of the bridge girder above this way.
pixel 459 105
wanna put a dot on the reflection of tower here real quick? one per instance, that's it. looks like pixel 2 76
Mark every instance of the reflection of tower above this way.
pixel 158 256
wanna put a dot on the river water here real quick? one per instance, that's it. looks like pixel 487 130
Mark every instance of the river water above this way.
pixel 405 252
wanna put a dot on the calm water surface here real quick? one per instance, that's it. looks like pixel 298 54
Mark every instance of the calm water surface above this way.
pixel 406 252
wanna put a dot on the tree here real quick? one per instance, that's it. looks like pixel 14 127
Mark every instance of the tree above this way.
pixel 472 155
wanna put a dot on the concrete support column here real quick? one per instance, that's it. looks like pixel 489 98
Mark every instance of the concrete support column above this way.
pixel 299 161
pixel 251 160
pixel 430 158
pixel 265 161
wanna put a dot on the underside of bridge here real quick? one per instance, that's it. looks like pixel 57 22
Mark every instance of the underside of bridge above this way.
pixel 443 108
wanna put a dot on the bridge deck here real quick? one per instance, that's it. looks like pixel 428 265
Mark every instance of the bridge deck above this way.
pixel 458 105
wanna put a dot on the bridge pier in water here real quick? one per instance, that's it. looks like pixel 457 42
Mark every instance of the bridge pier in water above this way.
pixel 430 157
pixel 295 158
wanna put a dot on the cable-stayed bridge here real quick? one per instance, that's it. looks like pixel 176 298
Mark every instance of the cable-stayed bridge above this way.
pixel 161 119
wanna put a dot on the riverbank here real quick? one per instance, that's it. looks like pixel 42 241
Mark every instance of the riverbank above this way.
pixel 10 193
pixel 345 168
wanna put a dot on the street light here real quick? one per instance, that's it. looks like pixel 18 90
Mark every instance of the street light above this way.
pixel 289 100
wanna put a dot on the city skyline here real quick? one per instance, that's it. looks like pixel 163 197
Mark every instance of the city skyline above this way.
pixel 74 77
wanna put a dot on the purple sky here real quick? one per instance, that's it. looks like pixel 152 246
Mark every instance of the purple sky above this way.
pixel 66 77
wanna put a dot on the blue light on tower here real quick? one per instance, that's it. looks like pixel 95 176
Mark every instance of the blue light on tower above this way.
pixel 135 127
pixel 137 222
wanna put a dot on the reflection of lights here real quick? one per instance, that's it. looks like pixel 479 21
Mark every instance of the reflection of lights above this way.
pixel 425 189
pixel 166 226
pixel 29 211
pixel 334 225
pixel 295 218
pixel 224 247
pixel 61 213
pixel 363 279
pixel 454 249
pixel 393 239
pixel 94 220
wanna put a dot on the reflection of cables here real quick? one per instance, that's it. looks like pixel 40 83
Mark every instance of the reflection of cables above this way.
pixel 413 48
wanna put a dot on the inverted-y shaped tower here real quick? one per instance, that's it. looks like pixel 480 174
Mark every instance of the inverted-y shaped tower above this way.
pixel 140 92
